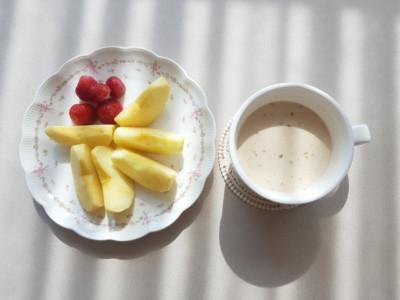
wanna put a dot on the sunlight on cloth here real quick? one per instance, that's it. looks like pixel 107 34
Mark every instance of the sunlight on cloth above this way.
pixel 298 42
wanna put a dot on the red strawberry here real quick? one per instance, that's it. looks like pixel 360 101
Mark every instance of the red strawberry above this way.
pixel 107 111
pixel 82 88
pixel 99 92
pixel 117 86
pixel 82 114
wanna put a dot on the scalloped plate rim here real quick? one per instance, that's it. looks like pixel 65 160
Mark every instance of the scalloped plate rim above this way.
pixel 202 180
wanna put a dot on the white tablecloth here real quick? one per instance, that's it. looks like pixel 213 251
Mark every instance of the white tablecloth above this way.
pixel 344 247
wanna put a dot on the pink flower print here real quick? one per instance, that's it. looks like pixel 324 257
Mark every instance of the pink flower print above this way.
pixel 154 68
pixel 146 218
pixel 81 217
pixel 93 67
pixel 45 107
pixel 197 112
pixel 195 174
pixel 39 171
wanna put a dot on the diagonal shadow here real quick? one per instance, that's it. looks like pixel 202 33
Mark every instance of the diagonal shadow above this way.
pixel 131 249
pixel 274 248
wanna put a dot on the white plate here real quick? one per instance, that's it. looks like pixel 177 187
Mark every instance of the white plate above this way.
pixel 46 163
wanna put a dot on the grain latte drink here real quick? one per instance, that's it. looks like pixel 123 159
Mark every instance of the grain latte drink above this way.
pixel 284 147
pixel 292 143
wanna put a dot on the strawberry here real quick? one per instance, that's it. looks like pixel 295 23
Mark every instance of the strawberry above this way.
pixel 82 88
pixel 99 92
pixel 117 87
pixel 108 110
pixel 82 114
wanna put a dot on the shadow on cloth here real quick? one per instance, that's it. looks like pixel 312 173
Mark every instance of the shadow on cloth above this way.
pixel 131 249
pixel 273 248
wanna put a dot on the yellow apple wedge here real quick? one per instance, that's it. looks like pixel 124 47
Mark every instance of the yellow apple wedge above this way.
pixel 147 107
pixel 118 188
pixel 86 180
pixel 149 140
pixel 91 135
pixel 143 170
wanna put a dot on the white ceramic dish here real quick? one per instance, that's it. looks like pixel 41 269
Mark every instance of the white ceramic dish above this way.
pixel 344 137
pixel 46 164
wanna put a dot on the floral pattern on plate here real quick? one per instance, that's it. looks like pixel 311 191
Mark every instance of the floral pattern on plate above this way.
pixel 46 163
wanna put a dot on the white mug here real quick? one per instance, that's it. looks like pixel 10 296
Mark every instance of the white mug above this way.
pixel 343 138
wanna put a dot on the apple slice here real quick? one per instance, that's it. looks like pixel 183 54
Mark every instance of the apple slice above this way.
pixel 118 188
pixel 91 135
pixel 86 180
pixel 147 107
pixel 145 171
pixel 149 140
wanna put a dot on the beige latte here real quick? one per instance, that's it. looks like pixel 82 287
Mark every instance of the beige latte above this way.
pixel 284 147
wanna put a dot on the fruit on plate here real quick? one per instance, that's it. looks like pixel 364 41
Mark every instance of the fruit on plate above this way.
pixel 117 86
pixel 89 89
pixel 147 107
pixel 86 180
pixel 118 191
pixel 104 176
pixel 82 114
pixel 143 170
pixel 149 140
pixel 82 89
pixel 99 92
pixel 108 110
pixel 92 135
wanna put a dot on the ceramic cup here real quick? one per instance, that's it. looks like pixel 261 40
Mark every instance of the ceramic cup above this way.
pixel 343 136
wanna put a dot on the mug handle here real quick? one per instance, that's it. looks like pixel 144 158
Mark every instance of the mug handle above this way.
pixel 361 134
